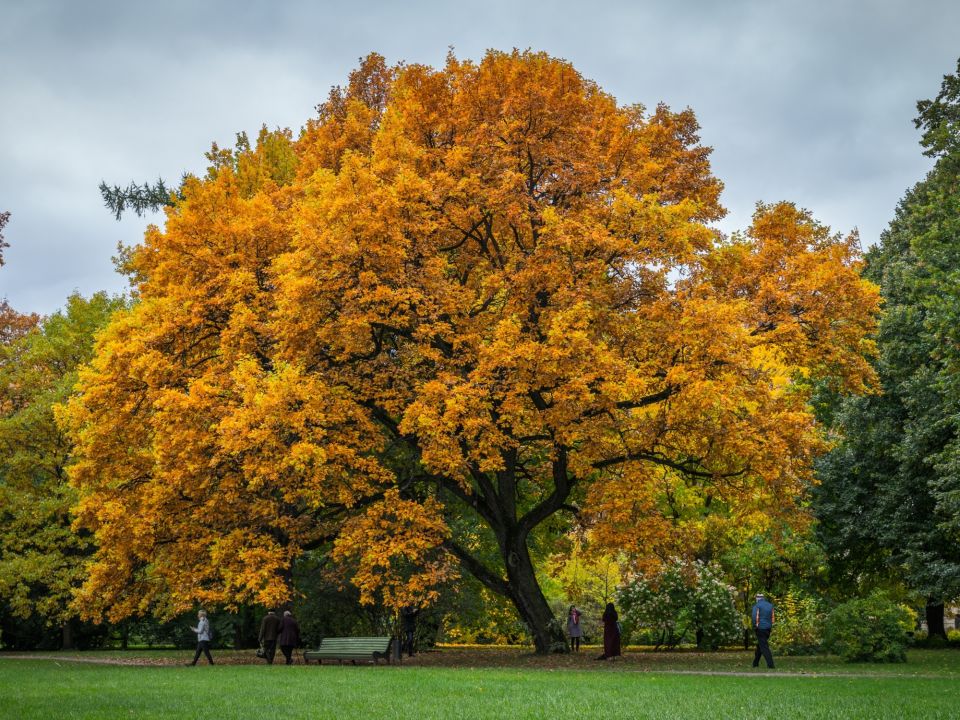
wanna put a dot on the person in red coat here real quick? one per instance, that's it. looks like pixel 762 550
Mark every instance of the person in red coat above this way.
pixel 289 636
pixel 611 633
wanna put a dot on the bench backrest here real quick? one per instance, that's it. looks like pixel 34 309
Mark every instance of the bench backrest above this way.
pixel 355 644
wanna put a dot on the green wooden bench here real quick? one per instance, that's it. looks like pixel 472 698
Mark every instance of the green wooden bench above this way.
pixel 352 649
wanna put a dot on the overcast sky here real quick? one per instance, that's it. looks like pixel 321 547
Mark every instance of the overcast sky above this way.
pixel 805 101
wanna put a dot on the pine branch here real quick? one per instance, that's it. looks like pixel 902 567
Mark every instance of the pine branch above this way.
pixel 138 198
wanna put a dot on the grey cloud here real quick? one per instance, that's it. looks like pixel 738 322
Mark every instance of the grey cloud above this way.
pixel 810 102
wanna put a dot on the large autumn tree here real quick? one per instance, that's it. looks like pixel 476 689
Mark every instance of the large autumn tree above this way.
pixel 463 308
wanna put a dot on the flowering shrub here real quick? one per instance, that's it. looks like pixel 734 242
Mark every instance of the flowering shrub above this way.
pixel 685 601
pixel 871 629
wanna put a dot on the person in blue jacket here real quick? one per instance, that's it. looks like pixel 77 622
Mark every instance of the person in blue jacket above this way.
pixel 761 617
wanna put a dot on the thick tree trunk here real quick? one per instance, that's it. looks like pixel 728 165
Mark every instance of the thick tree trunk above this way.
pixel 934 614
pixel 534 610
pixel 495 502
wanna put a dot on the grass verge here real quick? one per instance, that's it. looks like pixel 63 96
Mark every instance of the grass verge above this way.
pixel 45 689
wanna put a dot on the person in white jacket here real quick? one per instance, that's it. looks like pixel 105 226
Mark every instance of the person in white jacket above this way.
pixel 203 637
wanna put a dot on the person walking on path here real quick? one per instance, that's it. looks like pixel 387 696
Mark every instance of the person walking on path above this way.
pixel 611 633
pixel 289 636
pixel 761 617
pixel 574 630
pixel 269 632
pixel 203 637
pixel 409 616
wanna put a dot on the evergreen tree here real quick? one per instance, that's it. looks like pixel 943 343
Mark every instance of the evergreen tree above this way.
pixel 888 500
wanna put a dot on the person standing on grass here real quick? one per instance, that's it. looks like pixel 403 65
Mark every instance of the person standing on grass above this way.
pixel 761 617
pixel 409 616
pixel 269 632
pixel 574 630
pixel 611 633
pixel 289 636
pixel 203 638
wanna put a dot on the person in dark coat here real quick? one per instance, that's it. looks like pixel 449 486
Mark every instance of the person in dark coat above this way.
pixel 289 636
pixel 761 617
pixel 574 629
pixel 611 633
pixel 269 632
pixel 409 616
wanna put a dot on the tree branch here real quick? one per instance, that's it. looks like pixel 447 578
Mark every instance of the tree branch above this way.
pixel 562 485
pixel 481 572
pixel 479 504
pixel 658 459
pixel 653 399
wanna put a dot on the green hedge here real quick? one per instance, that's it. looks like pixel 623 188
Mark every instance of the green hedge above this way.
pixel 871 629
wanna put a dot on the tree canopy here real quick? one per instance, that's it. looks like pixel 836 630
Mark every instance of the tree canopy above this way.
pixel 887 503
pixel 41 557
pixel 465 307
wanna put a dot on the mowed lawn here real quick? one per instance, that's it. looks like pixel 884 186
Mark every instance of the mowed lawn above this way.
pixel 927 687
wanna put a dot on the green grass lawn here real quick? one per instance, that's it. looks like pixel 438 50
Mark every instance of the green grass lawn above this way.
pixel 945 662
pixel 926 687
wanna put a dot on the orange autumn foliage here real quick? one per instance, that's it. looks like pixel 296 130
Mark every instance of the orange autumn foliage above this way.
pixel 785 278
pixel 486 291
pixel 395 547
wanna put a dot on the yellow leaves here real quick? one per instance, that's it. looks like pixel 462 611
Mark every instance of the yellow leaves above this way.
pixel 249 566
pixel 484 273
pixel 395 549
pixel 665 234
pixel 287 433
pixel 803 293
pixel 447 413
pixel 761 317
pixel 272 161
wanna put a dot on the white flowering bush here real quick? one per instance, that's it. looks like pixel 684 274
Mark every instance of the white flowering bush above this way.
pixel 684 602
